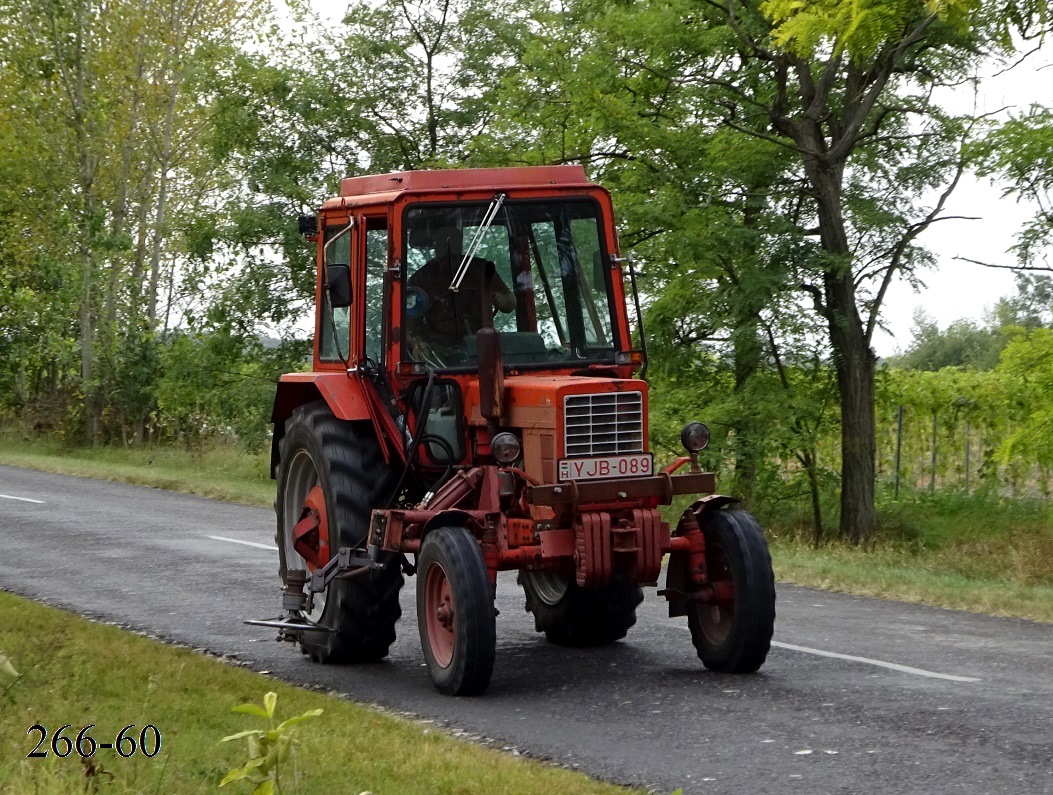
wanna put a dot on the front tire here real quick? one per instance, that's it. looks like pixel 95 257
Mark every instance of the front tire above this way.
pixel 732 633
pixel 455 612
pixel 343 459
pixel 570 615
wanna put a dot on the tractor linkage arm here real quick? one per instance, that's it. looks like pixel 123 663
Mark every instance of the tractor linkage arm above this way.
pixel 301 585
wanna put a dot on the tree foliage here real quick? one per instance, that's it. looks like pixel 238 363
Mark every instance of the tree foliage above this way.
pixel 1020 153
pixel 810 127
pixel 964 343
pixel 105 173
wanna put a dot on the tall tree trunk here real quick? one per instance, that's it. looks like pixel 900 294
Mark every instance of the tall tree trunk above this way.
pixel 119 220
pixel 747 353
pixel 807 458
pixel 855 378
pixel 161 214
pixel 78 86
pixel 853 359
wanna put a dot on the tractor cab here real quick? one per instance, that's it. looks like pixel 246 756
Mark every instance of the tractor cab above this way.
pixel 413 267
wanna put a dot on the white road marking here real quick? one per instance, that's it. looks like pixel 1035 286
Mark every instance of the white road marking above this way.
pixel 906 669
pixel 21 499
pixel 879 663
pixel 246 543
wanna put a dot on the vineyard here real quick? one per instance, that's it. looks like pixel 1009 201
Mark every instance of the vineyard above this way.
pixel 957 430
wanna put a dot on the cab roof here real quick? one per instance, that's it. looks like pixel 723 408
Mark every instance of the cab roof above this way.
pixel 464 179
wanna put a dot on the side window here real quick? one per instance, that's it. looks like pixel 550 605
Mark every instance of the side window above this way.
pixel 376 264
pixel 336 325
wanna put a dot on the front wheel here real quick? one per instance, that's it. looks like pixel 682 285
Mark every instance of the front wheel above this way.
pixel 732 631
pixel 455 612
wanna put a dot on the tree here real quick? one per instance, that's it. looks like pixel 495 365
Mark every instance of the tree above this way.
pixel 424 89
pixel 703 226
pixel 962 344
pixel 847 92
pixel 1020 153
pixel 105 87
pixel 1031 307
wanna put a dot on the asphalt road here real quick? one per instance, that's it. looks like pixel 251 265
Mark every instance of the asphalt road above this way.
pixel 857 696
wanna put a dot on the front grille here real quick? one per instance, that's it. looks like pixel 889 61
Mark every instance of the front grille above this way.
pixel 607 424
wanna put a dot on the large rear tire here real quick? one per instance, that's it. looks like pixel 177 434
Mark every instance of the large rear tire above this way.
pixel 570 615
pixel 455 612
pixel 732 633
pixel 343 459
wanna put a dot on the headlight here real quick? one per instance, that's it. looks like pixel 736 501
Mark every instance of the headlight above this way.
pixel 695 436
pixel 505 447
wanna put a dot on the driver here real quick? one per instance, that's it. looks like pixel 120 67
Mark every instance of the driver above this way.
pixel 449 316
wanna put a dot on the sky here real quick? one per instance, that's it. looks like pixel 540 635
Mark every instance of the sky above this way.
pixel 954 289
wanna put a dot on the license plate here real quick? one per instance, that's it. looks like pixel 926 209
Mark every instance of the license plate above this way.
pixel 609 466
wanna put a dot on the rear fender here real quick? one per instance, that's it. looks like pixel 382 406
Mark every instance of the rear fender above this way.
pixel 712 502
pixel 343 395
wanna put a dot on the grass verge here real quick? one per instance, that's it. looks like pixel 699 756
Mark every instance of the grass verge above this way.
pixel 890 572
pixel 971 552
pixel 220 472
pixel 75 672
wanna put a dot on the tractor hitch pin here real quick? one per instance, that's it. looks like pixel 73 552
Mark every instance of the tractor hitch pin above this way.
pixel 473 248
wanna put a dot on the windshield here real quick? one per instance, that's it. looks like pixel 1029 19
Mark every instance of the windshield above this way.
pixel 538 270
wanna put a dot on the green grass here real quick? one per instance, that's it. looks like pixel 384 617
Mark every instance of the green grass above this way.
pixel 971 552
pixel 75 672
pixel 220 472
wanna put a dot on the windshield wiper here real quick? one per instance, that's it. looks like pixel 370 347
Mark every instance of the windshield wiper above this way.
pixel 488 220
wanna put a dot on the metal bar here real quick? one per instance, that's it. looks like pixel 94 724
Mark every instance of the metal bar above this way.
pixel 333 239
pixel 587 492
pixel 932 478
pixel 639 316
pixel 967 440
pixel 899 446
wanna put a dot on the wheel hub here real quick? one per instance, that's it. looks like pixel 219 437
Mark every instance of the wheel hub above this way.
pixel 441 617
pixel 311 532
pixel 445 615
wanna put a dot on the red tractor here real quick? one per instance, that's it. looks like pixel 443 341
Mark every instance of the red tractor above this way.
pixel 472 409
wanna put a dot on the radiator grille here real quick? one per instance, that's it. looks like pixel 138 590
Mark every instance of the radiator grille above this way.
pixel 607 424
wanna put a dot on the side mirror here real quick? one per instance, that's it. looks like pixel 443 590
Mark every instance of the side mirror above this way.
pixel 338 285
pixel 308 225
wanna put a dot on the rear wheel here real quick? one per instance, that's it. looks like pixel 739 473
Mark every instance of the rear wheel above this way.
pixel 570 615
pixel 455 612
pixel 732 632
pixel 330 463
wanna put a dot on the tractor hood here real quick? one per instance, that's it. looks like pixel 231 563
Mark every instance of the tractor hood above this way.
pixel 587 419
